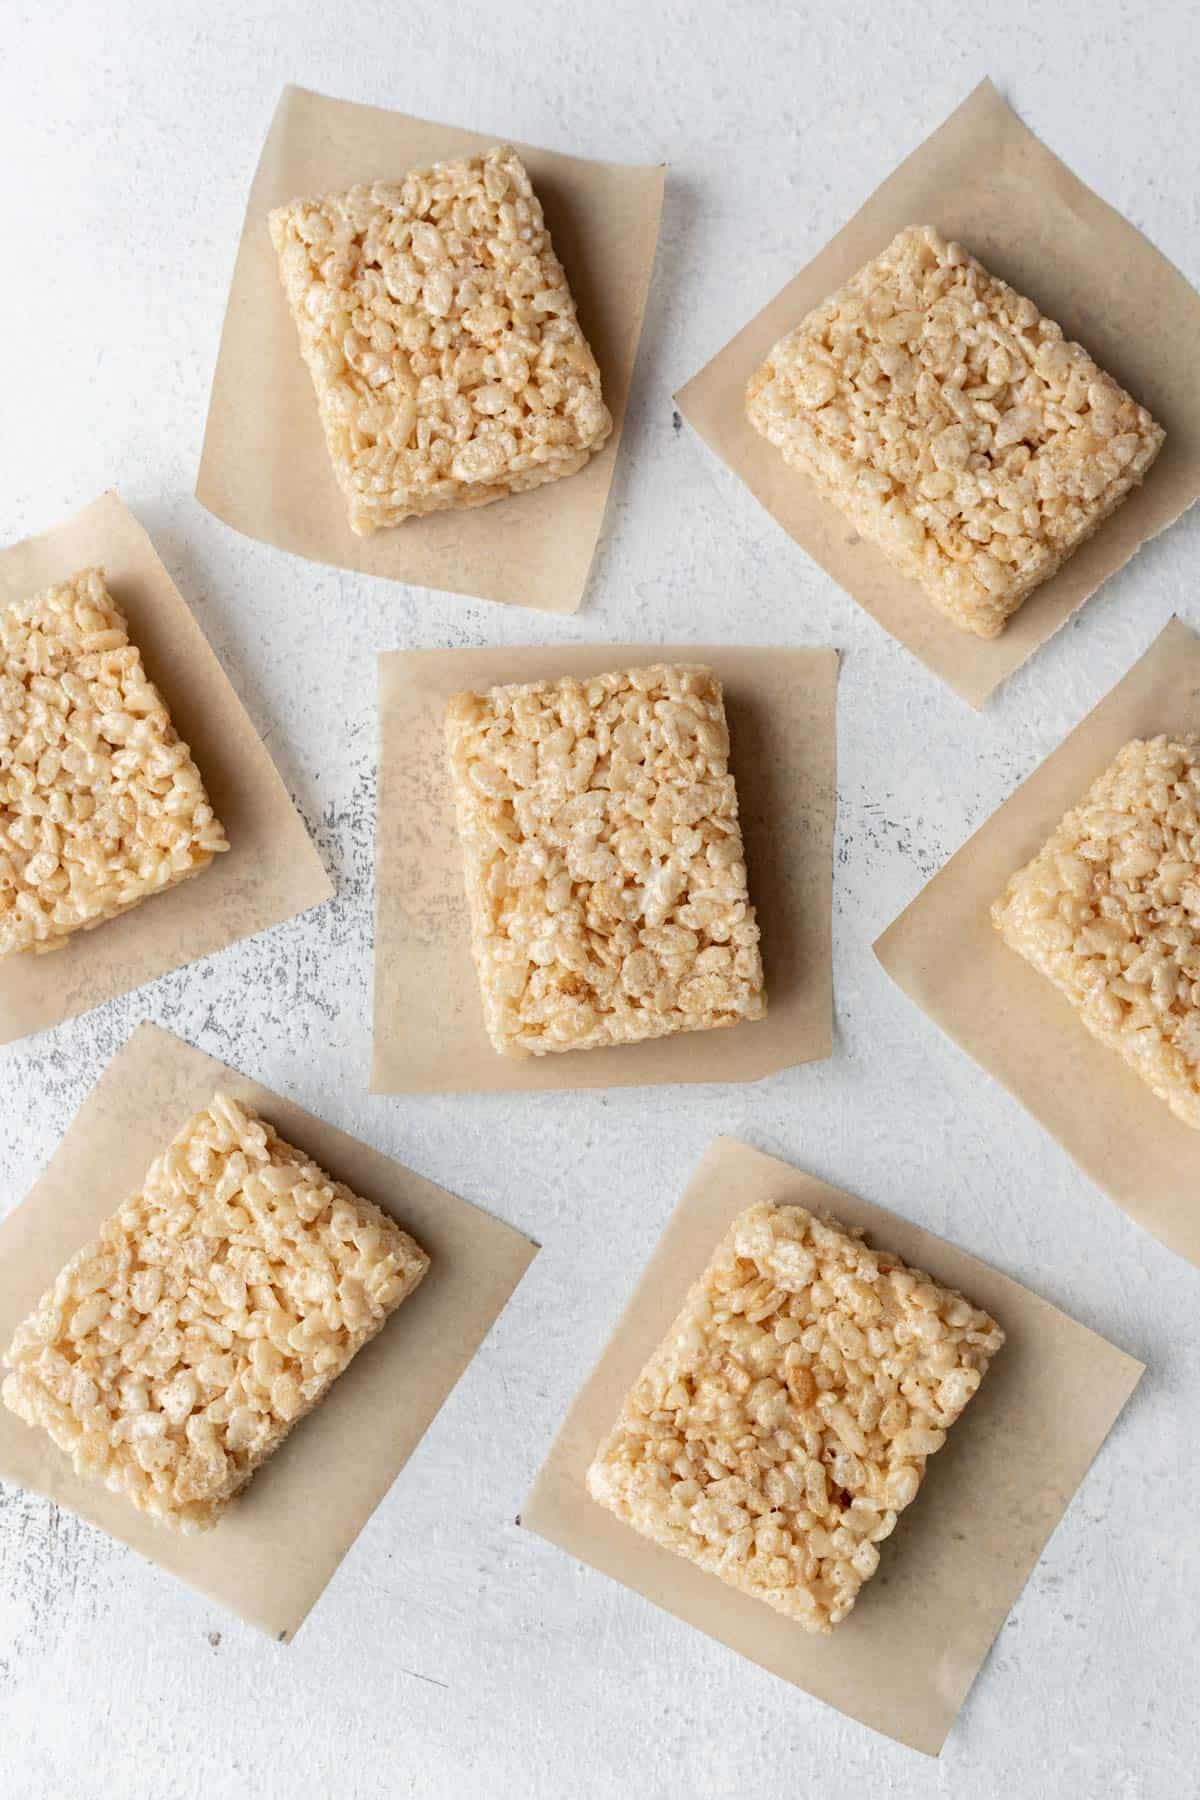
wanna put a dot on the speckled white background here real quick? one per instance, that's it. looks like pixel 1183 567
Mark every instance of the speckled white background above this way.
pixel 455 1656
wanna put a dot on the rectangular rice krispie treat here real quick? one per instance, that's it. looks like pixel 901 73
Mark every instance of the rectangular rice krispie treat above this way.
pixel 101 804
pixel 786 1418
pixel 175 1353
pixel 953 426
pixel 604 863
pixel 1109 911
pixel 441 337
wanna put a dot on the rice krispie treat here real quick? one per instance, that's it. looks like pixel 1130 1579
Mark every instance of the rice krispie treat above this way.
pixel 953 425
pixel 101 804
pixel 1109 911
pixel 604 862
pixel 175 1353
pixel 785 1420
pixel 441 337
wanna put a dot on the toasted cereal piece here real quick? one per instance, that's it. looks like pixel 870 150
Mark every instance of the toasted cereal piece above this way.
pixel 953 425
pixel 1109 911
pixel 214 1310
pixel 786 1418
pixel 603 856
pixel 101 804
pixel 441 337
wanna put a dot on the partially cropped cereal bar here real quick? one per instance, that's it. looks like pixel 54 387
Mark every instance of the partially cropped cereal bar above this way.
pixel 101 804
pixel 174 1354
pixel 953 425
pixel 604 862
pixel 786 1419
pixel 441 336
pixel 1109 911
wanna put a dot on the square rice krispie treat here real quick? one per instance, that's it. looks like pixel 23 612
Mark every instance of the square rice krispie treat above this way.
pixel 175 1353
pixel 953 425
pixel 785 1420
pixel 604 862
pixel 1109 911
pixel 101 804
pixel 441 337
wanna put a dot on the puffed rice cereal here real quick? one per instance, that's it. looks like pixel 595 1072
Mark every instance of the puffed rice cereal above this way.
pixel 785 1421
pixel 603 856
pixel 214 1310
pixel 441 336
pixel 953 425
pixel 101 804
pixel 1109 911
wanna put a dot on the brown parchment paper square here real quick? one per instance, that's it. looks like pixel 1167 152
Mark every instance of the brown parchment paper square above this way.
pixel 265 469
pixel 271 870
pixel 429 1036
pixel 904 1659
pixel 947 956
pixel 275 1551
pixel 985 179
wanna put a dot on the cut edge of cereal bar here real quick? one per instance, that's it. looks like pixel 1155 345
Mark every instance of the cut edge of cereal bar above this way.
pixel 785 1420
pixel 177 1350
pixel 101 803
pixel 1131 847
pixel 978 483
pixel 573 947
pixel 450 369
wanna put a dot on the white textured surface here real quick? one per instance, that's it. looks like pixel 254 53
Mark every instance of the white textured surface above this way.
pixel 454 1655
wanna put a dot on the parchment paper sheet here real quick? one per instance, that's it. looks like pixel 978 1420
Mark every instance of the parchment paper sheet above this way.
pixel 429 1035
pixel 270 871
pixel 985 179
pixel 265 468
pixel 906 1656
pixel 947 956
pixel 274 1553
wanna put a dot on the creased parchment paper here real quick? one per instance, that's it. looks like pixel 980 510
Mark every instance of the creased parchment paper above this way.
pixel 265 469
pixel 428 1031
pixel 275 1551
pixel 904 1659
pixel 947 956
pixel 270 871
pixel 985 179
